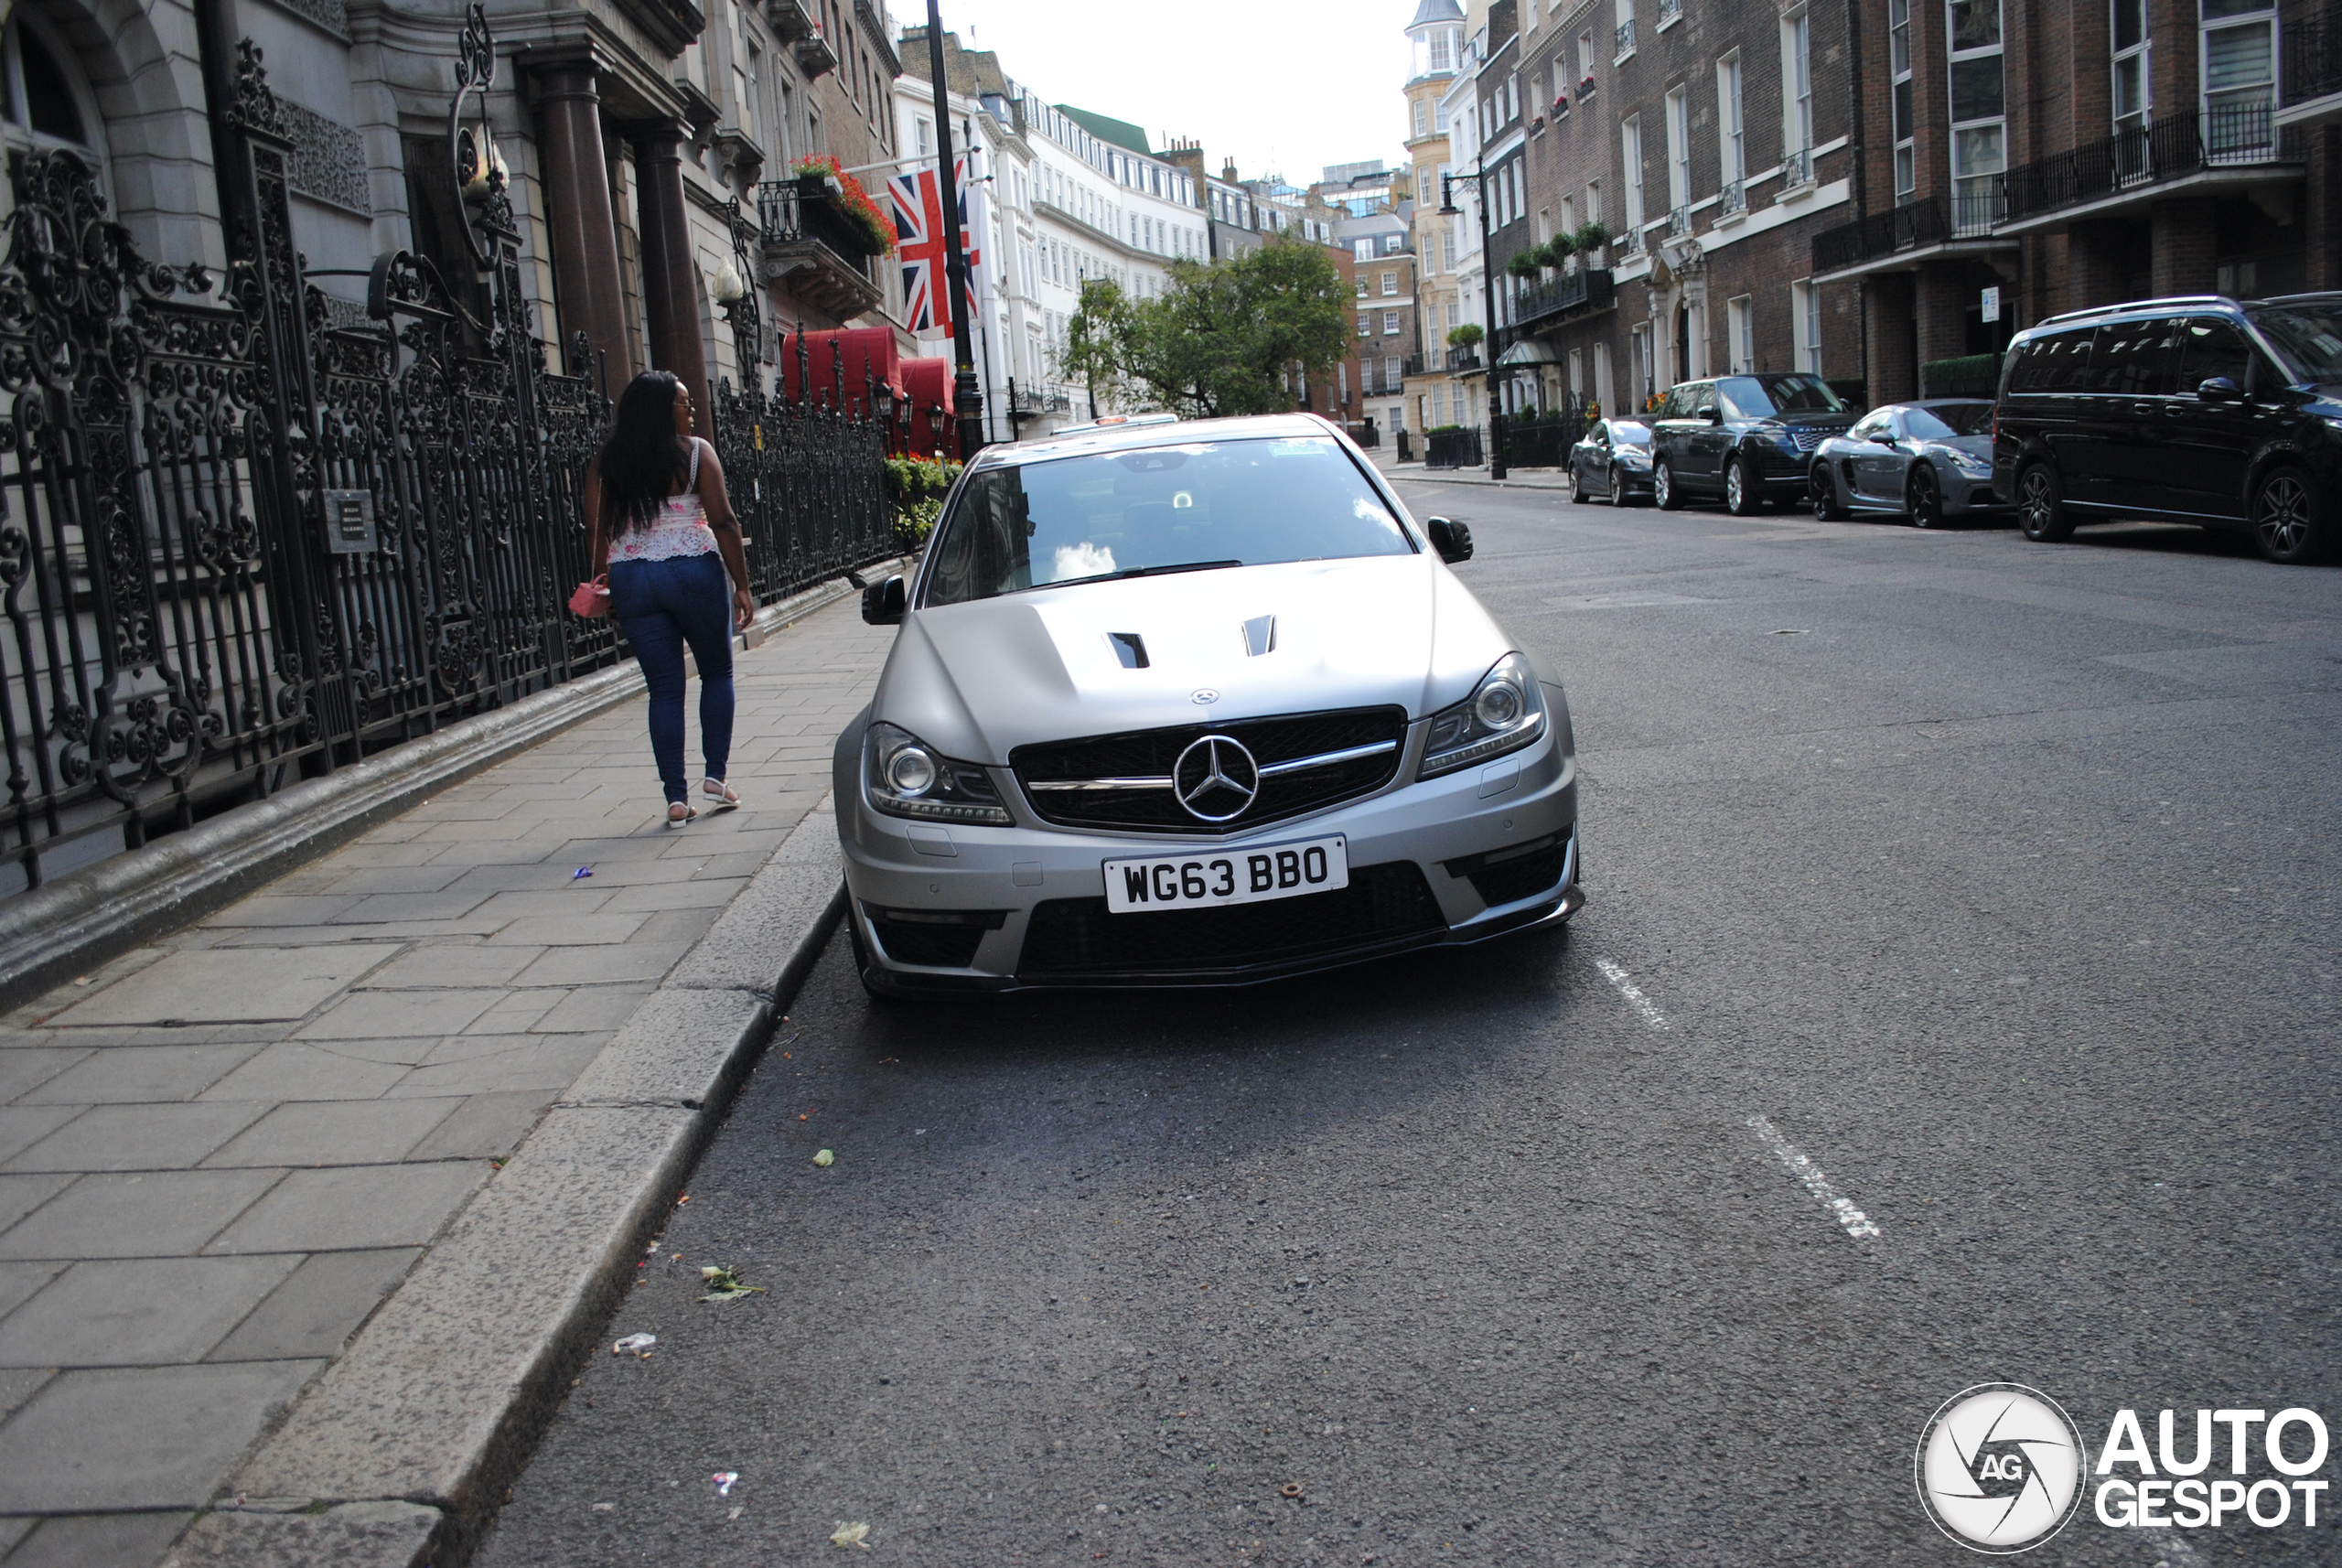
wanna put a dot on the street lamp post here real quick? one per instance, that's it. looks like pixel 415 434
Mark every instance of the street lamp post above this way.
pixel 1447 209
pixel 966 396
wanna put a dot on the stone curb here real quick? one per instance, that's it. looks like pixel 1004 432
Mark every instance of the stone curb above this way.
pixel 397 1457
pixel 70 926
pixel 1424 477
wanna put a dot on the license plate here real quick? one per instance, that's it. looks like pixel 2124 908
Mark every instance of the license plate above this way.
pixel 1206 881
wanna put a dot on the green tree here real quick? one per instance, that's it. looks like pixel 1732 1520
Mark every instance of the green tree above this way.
pixel 1233 337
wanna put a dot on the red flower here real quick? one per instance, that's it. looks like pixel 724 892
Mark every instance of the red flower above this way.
pixel 853 198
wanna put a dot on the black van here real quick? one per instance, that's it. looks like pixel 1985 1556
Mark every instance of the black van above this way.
pixel 2200 410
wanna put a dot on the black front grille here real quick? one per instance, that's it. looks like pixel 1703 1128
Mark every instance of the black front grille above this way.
pixel 1076 936
pixel 1518 878
pixel 945 938
pixel 1151 754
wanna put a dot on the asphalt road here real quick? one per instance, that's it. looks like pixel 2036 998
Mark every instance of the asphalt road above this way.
pixel 1997 879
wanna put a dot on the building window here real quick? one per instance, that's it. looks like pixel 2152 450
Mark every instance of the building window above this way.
pixel 1443 50
pixel 2133 87
pixel 1805 320
pixel 44 103
pixel 1978 130
pixel 1577 373
pixel 1731 142
pixel 1361 288
pixel 2239 56
pixel 1390 282
pixel 1639 349
pixel 1390 323
pixel 1796 99
pixel 1602 374
pixel 1679 160
pixel 1630 156
pixel 1365 325
pixel 1740 334
pixel 1391 243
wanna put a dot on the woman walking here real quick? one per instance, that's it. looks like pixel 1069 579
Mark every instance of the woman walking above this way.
pixel 663 530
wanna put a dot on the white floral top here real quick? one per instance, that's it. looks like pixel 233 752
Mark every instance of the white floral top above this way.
pixel 680 528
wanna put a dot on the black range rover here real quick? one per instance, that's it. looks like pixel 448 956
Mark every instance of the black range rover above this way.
pixel 1745 438
pixel 2201 409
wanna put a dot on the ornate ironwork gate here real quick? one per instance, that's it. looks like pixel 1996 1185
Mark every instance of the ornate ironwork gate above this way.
pixel 244 537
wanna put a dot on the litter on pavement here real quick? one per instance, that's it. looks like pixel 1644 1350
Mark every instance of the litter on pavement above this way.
pixel 850 1535
pixel 722 1284
pixel 724 1480
pixel 581 871
pixel 825 1158
pixel 634 1342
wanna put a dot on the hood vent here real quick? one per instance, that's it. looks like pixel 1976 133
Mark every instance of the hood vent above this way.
pixel 1130 648
pixel 1261 636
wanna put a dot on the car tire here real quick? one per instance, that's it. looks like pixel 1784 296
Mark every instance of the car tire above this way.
pixel 1923 497
pixel 2041 506
pixel 1578 485
pixel 1742 497
pixel 1618 497
pixel 1662 487
pixel 1827 505
pixel 2288 524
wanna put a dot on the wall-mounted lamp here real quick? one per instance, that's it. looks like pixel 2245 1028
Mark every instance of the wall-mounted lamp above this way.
pixel 479 166
pixel 727 285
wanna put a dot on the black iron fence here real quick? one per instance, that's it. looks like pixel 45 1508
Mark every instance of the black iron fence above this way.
pixel 1454 449
pixel 1587 289
pixel 249 533
pixel 2314 55
pixel 2176 144
pixel 1543 440
pixel 1880 234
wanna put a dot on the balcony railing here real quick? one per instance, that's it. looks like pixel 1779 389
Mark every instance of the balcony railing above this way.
pixel 1588 288
pixel 1901 227
pixel 1630 243
pixel 1463 357
pixel 1980 208
pixel 1669 13
pixel 1797 169
pixel 1626 41
pixel 1678 222
pixel 2235 135
pixel 2313 57
pixel 1413 366
pixel 1734 199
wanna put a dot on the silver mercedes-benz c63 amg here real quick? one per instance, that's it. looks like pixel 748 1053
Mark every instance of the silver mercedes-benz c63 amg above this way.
pixel 1193 704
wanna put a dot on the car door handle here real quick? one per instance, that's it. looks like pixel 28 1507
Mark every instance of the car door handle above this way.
pixel 2142 408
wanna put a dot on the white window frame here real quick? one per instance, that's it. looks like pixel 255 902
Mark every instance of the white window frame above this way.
pixel 1978 195
pixel 2242 131
pixel 1796 99
pixel 1805 324
pixel 1390 323
pixel 1631 157
pixel 1732 137
pixel 1740 334
pixel 1678 157
pixel 2139 59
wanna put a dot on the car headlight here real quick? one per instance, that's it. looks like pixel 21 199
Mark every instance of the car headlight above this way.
pixel 1505 713
pixel 906 778
pixel 1968 463
pixel 1630 458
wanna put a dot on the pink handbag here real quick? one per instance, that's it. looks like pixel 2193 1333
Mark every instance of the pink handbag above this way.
pixel 592 599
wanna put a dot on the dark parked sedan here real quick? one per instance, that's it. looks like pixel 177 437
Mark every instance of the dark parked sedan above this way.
pixel 1929 461
pixel 1745 438
pixel 1612 462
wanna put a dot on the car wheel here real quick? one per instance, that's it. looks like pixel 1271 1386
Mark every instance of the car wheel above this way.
pixel 1578 485
pixel 1923 497
pixel 1619 489
pixel 1827 507
pixel 2041 506
pixel 2285 521
pixel 1662 486
pixel 1740 496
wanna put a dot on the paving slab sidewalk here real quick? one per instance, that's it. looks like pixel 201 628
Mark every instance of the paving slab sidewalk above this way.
pixel 222 1153
pixel 1517 479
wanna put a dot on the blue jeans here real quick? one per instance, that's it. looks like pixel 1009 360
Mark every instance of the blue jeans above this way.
pixel 662 606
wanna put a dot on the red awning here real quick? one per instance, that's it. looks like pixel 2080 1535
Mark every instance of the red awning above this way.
pixel 855 356
pixel 929 384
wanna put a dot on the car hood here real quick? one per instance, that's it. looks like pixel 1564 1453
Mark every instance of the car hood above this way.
pixel 978 680
pixel 1977 446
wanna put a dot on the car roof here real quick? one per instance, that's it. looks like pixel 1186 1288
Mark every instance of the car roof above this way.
pixel 2072 321
pixel 1137 437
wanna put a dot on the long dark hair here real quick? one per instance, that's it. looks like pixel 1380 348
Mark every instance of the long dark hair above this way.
pixel 644 459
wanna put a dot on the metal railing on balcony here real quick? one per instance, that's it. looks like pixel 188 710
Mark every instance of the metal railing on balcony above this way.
pixel 1669 13
pixel 1588 288
pixel 2233 135
pixel 1412 366
pixel 1678 222
pixel 1463 357
pixel 2313 56
pixel 1797 169
pixel 1977 209
pixel 1734 198
pixel 1901 227
pixel 1626 37
pixel 1630 243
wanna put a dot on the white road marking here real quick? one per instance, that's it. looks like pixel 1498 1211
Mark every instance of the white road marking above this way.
pixel 1632 992
pixel 1853 1221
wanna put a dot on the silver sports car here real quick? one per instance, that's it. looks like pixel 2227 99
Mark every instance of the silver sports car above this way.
pixel 1929 461
pixel 1193 702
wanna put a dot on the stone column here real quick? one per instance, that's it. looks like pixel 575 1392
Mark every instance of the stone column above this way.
pixel 670 303
pixel 578 214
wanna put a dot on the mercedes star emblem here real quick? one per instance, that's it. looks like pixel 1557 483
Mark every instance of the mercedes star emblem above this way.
pixel 1216 778
pixel 1205 694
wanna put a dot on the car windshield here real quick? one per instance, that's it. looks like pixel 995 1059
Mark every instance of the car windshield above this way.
pixel 1949 421
pixel 2309 336
pixel 1762 397
pixel 1192 507
pixel 1627 433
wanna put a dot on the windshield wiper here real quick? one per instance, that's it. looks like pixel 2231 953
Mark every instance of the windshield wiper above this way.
pixel 1142 571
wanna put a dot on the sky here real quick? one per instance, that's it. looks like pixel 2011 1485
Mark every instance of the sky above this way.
pixel 1282 86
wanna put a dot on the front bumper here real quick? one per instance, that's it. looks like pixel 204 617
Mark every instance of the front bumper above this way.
pixel 996 910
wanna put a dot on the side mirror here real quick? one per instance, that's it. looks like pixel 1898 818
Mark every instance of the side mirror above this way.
pixel 1452 539
pixel 1712 415
pixel 881 602
pixel 2219 389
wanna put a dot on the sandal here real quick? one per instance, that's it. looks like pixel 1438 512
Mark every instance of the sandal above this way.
pixel 720 796
pixel 683 806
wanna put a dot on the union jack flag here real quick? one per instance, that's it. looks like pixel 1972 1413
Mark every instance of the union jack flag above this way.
pixel 918 220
